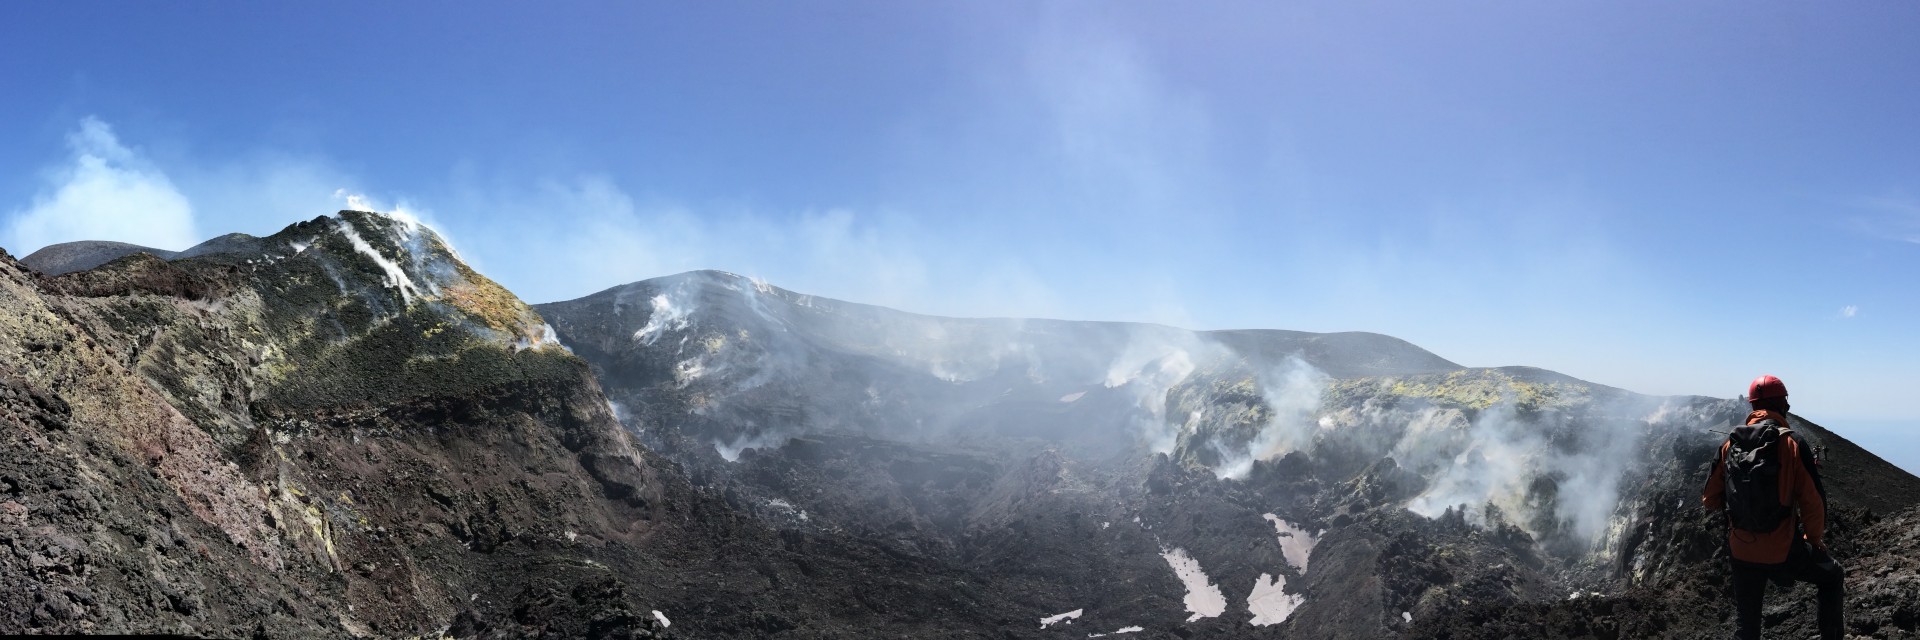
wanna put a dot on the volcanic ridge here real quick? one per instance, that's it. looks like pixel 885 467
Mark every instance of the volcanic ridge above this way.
pixel 343 430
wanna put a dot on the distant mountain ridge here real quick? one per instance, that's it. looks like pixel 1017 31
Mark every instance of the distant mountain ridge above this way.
pixel 68 257
pixel 81 255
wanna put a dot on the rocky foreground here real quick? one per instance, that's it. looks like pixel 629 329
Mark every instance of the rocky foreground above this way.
pixel 341 430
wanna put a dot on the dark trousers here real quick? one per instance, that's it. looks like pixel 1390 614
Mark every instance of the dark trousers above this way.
pixel 1803 564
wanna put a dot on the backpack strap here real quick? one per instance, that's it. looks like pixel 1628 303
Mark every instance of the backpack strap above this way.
pixel 1810 463
pixel 1808 460
pixel 1719 466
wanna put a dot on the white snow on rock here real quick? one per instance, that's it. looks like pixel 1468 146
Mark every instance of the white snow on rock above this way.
pixel 1269 602
pixel 1296 544
pixel 664 622
pixel 1406 616
pixel 1066 618
pixel 1204 599
pixel 1117 632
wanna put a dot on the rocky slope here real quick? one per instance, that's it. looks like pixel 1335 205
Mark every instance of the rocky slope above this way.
pixel 342 430
pixel 1223 484
pixel 337 430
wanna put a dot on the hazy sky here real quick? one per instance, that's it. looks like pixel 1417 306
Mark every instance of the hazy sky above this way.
pixel 1666 197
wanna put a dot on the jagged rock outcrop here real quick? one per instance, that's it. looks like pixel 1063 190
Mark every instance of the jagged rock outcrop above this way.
pixel 323 432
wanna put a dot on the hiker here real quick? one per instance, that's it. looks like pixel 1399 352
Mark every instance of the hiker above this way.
pixel 1768 482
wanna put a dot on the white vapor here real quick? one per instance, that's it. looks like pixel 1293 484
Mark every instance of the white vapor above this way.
pixel 1128 139
pixel 1153 361
pixel 260 192
pixel 104 191
pixel 107 189
pixel 562 239
pixel 1292 393
pixel 1849 311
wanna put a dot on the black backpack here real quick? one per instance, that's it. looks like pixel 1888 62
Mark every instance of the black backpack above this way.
pixel 1753 476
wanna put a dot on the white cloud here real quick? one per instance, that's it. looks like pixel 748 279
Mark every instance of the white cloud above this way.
pixel 562 239
pixel 1849 311
pixel 104 191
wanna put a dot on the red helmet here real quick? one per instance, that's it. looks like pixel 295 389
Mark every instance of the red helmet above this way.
pixel 1766 387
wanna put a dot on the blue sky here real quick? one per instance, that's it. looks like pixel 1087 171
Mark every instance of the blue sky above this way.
pixel 1670 198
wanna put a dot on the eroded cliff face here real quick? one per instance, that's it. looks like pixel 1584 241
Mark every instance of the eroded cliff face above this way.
pixel 324 432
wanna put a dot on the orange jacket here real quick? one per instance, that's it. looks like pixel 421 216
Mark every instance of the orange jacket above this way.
pixel 1796 489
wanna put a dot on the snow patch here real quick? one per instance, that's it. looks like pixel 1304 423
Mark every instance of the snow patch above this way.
pixel 1064 618
pixel 1295 543
pixel 1270 603
pixel 1406 616
pixel 1204 599
pixel 664 622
